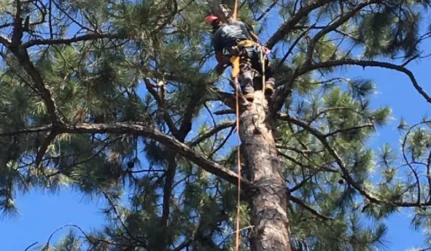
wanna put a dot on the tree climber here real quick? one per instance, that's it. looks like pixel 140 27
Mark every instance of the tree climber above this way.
pixel 238 38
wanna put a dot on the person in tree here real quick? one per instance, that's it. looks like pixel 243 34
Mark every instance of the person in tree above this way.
pixel 231 39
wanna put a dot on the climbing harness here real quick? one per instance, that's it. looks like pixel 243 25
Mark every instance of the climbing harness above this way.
pixel 235 58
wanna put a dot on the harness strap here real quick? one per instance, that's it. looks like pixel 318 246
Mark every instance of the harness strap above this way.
pixel 235 59
pixel 247 43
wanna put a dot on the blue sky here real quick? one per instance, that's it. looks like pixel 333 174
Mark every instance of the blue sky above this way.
pixel 41 214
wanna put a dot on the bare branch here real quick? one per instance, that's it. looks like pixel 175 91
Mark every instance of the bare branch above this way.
pixel 220 127
pixel 349 129
pixel 224 112
pixel 167 189
pixel 31 245
pixel 183 245
pixel 222 143
pixel 45 128
pixel 17 28
pixel 5 41
pixel 42 150
pixel 293 46
pixel 365 63
pixel 270 7
pixel 295 19
pixel 186 124
pixel 87 37
pixel 286 91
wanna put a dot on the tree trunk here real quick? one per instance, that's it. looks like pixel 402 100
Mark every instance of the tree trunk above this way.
pixel 271 230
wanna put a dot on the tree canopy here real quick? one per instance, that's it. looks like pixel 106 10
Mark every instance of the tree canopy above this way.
pixel 120 97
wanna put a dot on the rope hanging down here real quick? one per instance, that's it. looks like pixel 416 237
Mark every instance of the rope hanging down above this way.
pixel 235 71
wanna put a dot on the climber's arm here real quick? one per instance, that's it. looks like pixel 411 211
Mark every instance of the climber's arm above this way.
pixel 251 31
pixel 218 47
pixel 219 57
pixel 254 36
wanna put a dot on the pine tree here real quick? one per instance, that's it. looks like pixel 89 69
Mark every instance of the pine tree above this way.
pixel 119 98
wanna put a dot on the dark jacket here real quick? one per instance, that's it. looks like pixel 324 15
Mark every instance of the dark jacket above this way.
pixel 228 35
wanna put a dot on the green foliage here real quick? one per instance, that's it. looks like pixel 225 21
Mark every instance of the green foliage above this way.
pixel 151 68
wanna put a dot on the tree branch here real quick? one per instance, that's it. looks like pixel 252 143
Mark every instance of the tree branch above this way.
pixel 17 27
pixel 15 46
pixel 24 59
pixel 5 41
pixel 119 218
pixel 365 63
pixel 321 137
pixel 167 189
pixel 267 10
pixel 45 128
pixel 31 245
pixel 287 27
pixel 283 93
pixel 161 103
pixel 293 46
pixel 186 124
pixel 220 127
pixel 170 142
pixel 42 149
pixel 308 208
pixel 68 41
pixel 224 112
pixel 348 129
pixel 346 175
pixel 344 18
pixel 144 131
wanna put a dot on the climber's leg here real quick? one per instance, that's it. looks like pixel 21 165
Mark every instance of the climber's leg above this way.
pixel 269 79
pixel 246 79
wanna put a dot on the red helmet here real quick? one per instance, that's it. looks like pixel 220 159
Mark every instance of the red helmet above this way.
pixel 210 19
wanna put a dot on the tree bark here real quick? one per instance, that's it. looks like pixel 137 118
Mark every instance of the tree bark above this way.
pixel 271 230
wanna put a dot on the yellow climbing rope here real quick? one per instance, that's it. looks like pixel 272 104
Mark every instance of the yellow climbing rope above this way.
pixel 235 72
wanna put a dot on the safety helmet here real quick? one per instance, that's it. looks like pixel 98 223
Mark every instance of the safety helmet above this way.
pixel 210 19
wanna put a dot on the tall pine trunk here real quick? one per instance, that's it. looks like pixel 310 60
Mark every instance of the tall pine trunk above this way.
pixel 271 230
